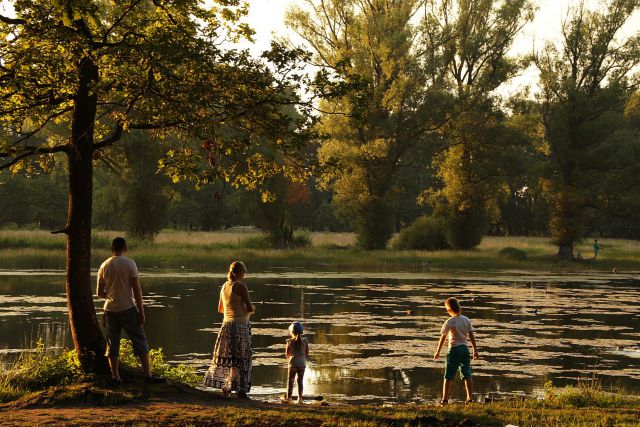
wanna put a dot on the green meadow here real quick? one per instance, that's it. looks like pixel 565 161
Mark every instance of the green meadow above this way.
pixel 212 251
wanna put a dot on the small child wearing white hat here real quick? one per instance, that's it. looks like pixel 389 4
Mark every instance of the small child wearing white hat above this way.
pixel 296 351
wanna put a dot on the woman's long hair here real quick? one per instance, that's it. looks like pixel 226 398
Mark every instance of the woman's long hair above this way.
pixel 236 269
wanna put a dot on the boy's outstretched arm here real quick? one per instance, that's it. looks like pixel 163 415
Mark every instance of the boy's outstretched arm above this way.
pixel 475 346
pixel 440 344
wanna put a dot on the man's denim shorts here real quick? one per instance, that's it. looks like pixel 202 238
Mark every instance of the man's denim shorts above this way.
pixel 458 358
pixel 127 319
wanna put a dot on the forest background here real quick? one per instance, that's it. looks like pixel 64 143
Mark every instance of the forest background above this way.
pixel 413 130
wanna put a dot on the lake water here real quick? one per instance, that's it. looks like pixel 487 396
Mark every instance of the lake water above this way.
pixel 373 335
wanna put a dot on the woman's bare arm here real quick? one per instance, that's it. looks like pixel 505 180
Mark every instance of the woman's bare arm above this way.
pixel 242 290
pixel 220 305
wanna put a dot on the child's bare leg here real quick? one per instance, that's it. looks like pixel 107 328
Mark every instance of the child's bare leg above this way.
pixel 468 384
pixel 446 389
pixel 300 380
pixel 290 380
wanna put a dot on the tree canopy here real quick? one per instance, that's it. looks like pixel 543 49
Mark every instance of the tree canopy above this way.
pixel 76 76
pixel 381 98
pixel 587 79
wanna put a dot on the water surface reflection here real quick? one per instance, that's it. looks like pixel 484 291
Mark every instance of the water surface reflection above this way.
pixel 374 337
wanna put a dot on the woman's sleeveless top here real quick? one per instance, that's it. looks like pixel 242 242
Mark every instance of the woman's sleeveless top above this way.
pixel 234 307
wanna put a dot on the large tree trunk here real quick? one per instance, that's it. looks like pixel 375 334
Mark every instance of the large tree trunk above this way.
pixel 565 250
pixel 85 329
pixel 374 224
pixel 566 221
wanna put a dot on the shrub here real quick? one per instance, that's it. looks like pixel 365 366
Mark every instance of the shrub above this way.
pixel 180 373
pixel 425 233
pixel 513 253
pixel 302 239
pixel 550 391
pixel 43 368
pixel 9 393
pixel 40 369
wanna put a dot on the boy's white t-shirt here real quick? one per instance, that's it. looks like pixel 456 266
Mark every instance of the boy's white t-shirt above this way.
pixel 457 328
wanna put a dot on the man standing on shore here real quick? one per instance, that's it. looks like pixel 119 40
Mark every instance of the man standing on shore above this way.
pixel 118 283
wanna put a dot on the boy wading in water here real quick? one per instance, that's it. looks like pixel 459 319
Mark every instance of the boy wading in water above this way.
pixel 457 328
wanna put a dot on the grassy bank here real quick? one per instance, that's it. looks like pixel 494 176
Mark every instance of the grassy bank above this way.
pixel 45 387
pixel 87 404
pixel 212 251
pixel 93 403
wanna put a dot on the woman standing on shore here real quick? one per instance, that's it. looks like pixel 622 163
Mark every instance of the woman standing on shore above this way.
pixel 230 368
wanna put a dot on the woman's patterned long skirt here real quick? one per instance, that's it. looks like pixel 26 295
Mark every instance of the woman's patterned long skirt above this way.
pixel 230 368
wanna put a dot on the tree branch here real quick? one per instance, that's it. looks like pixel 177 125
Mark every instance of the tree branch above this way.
pixel 105 37
pixel 117 134
pixel 12 21
pixel 150 126
pixel 32 151
pixel 159 4
pixel 27 135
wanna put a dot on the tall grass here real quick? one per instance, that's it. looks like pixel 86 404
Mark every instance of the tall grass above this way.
pixel 42 368
pixel 37 370
pixel 212 251
pixel 587 393
pixel 184 374
pixel 203 238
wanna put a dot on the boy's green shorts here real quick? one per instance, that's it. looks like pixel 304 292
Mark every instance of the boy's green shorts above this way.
pixel 458 358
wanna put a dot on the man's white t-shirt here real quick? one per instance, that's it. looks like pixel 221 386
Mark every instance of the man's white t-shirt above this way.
pixel 457 328
pixel 117 272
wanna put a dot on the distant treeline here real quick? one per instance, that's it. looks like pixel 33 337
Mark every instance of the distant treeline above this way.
pixel 405 125
pixel 148 202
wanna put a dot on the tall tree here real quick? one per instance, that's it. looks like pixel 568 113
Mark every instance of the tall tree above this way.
pixel 476 155
pixel 381 100
pixel 585 79
pixel 98 68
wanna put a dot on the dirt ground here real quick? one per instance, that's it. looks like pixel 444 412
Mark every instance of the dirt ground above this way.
pixel 171 404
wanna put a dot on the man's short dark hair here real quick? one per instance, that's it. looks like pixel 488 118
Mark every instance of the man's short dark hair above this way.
pixel 118 244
